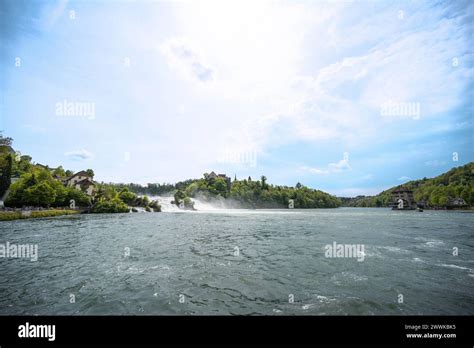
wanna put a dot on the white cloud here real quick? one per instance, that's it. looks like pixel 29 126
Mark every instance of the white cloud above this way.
pixel 266 74
pixel 79 155
pixel 343 99
pixel 435 163
pixel 404 178
pixel 367 177
pixel 52 11
pixel 356 191
pixel 260 50
pixel 185 59
pixel 337 167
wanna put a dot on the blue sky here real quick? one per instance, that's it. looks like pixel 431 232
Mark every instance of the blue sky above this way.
pixel 348 97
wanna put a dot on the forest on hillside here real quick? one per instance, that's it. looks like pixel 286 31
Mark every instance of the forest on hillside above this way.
pixel 435 192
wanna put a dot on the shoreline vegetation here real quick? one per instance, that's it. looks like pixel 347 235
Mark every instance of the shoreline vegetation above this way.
pixel 435 193
pixel 34 214
pixel 48 191
pixel 29 189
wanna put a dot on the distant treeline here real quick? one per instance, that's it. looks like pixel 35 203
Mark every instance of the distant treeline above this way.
pixel 244 193
pixel 153 189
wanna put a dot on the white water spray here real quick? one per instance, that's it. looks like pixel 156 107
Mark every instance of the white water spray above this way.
pixel 167 206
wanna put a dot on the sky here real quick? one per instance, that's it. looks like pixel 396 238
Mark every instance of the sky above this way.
pixel 347 97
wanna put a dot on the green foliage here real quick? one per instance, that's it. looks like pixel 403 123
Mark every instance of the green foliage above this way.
pixel 256 194
pixel 188 203
pixel 128 197
pixel 192 189
pixel 40 195
pixel 436 192
pixel 156 207
pixel 22 166
pixel 5 141
pixel 80 198
pixel 218 186
pixel 181 197
pixel 106 192
pixel 6 164
pixel 90 172
pixel 16 215
pixel 39 188
pixel 60 172
pixel 269 196
pixel 114 205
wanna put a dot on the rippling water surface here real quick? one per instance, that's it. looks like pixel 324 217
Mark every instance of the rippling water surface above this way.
pixel 281 253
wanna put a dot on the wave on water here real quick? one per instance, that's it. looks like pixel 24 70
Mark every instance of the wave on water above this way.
pixel 430 242
pixel 321 300
pixel 434 243
pixel 455 266
pixel 393 249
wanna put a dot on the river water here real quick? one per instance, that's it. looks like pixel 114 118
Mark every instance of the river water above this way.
pixel 260 262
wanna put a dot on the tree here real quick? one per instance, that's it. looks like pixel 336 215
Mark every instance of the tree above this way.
pixel 155 205
pixel 442 201
pixel 192 189
pixel 5 141
pixel 41 194
pixel 128 197
pixel 179 196
pixel 22 166
pixel 466 195
pixel 90 172
pixel 59 171
pixel 298 185
pixel 188 203
pixel 219 187
pixel 263 178
pixel 114 205
pixel 80 198
pixel 6 163
pixel 106 192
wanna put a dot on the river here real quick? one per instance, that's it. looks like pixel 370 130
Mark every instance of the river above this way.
pixel 259 262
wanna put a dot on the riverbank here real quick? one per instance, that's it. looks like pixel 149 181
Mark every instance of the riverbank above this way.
pixel 32 214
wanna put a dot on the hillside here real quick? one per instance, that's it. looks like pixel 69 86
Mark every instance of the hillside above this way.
pixel 436 192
